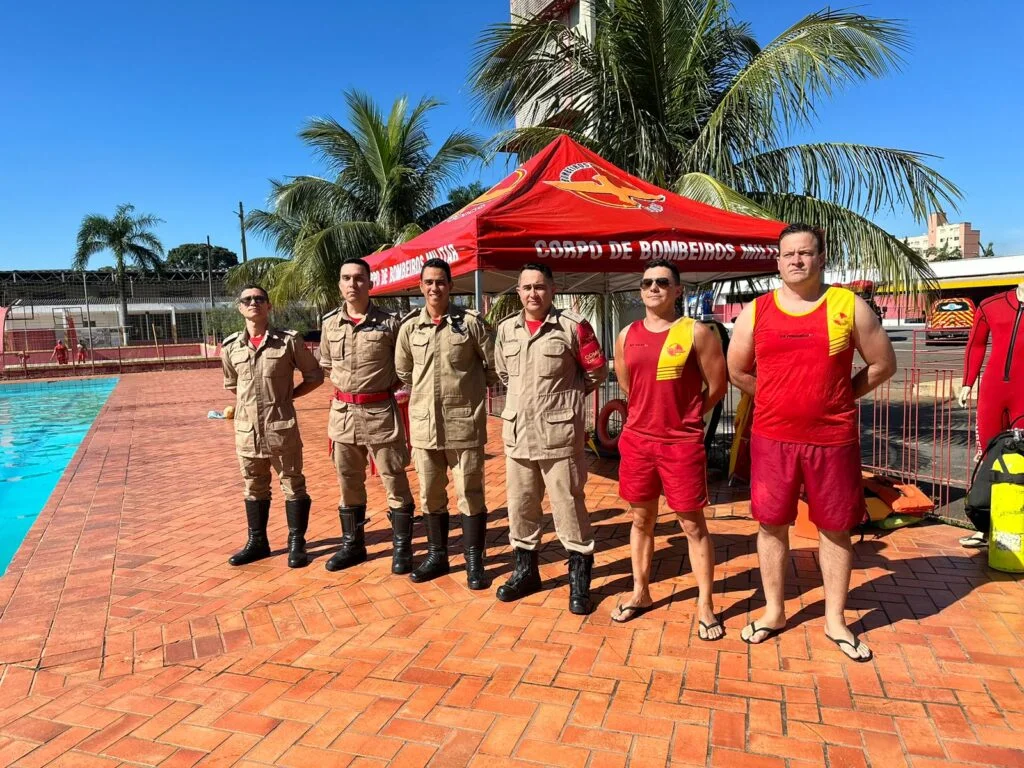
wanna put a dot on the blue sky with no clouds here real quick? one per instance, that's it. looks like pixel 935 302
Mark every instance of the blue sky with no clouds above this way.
pixel 186 108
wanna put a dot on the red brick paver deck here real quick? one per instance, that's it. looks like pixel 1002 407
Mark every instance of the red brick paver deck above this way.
pixel 126 639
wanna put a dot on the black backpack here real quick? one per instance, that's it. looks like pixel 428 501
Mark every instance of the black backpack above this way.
pixel 979 496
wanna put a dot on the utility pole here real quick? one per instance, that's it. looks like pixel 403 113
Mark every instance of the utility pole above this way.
pixel 241 225
pixel 209 268
pixel 209 279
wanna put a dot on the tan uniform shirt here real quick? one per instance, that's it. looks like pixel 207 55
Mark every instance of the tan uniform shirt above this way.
pixel 449 366
pixel 360 359
pixel 262 380
pixel 548 374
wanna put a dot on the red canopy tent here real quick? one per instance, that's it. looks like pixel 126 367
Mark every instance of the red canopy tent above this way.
pixel 591 222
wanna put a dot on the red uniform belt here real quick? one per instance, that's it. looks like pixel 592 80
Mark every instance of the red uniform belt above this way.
pixel 361 398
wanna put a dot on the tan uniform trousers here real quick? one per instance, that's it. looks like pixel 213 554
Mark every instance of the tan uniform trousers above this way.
pixel 256 476
pixel 467 467
pixel 350 462
pixel 564 480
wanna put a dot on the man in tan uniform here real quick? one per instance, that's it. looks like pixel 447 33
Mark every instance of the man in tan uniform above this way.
pixel 357 348
pixel 258 365
pixel 551 360
pixel 446 353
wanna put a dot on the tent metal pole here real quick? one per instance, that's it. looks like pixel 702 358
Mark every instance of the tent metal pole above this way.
pixel 478 290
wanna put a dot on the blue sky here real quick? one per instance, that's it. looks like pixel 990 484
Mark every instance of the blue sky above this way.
pixel 186 108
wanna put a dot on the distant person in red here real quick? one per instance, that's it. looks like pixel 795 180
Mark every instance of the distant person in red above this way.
pixel 663 363
pixel 999 319
pixel 60 352
pixel 80 355
pixel 792 351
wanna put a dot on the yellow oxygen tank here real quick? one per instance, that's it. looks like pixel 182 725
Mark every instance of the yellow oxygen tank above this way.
pixel 1006 537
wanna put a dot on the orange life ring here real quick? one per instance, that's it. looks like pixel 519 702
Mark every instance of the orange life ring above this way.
pixel 606 440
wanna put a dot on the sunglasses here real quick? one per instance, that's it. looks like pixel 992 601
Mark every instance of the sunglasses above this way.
pixel 661 282
pixel 248 300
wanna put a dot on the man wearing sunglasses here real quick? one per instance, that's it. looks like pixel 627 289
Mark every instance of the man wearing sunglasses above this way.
pixel 673 371
pixel 259 365
pixel 792 351
pixel 445 353
pixel 550 360
pixel 357 347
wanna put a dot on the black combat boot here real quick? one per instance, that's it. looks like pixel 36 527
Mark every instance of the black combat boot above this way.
pixel 353 539
pixel 436 563
pixel 525 578
pixel 297 513
pixel 474 529
pixel 580 566
pixel 401 538
pixel 257 513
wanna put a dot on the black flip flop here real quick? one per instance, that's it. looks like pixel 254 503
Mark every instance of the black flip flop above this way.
pixel 855 644
pixel 755 629
pixel 637 610
pixel 707 630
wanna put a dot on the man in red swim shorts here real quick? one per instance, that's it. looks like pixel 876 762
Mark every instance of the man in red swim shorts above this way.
pixel 792 351
pixel 663 363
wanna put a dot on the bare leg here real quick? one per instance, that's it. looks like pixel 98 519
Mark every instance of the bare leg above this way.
pixel 835 553
pixel 772 555
pixel 702 560
pixel 641 549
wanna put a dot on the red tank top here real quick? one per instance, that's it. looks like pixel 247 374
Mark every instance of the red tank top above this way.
pixel 804 390
pixel 664 406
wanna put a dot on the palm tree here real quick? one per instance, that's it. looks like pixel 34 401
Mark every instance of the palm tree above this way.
pixel 463 196
pixel 129 238
pixel 382 189
pixel 945 253
pixel 677 92
pixel 989 251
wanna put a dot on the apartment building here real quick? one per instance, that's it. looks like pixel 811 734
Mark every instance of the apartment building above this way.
pixel 576 14
pixel 951 235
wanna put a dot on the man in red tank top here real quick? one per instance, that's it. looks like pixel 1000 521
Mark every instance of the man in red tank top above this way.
pixel 663 363
pixel 792 351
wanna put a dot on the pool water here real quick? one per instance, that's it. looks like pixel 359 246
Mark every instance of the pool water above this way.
pixel 41 426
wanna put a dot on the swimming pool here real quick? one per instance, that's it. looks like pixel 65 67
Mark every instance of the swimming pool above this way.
pixel 41 425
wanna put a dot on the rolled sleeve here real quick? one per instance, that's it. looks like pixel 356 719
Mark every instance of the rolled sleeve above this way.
pixel 403 354
pixel 325 349
pixel 311 371
pixel 230 374
pixel 485 346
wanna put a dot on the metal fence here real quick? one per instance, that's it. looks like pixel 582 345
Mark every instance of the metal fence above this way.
pixel 62 323
pixel 912 428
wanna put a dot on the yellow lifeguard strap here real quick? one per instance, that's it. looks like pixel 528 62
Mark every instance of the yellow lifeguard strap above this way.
pixel 676 349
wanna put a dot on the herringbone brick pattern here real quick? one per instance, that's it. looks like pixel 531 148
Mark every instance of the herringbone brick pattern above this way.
pixel 126 639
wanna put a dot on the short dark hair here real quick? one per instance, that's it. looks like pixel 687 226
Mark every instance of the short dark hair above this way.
pixel 654 263
pixel 254 287
pixel 354 260
pixel 544 269
pixel 437 264
pixel 800 228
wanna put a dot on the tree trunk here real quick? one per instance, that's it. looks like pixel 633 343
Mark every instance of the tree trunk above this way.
pixel 122 314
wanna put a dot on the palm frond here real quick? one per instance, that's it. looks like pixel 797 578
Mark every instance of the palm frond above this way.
pixel 709 190
pixel 855 244
pixel 779 89
pixel 260 271
pixel 864 178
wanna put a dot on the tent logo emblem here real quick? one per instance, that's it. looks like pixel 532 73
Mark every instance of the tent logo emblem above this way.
pixel 598 185
pixel 496 192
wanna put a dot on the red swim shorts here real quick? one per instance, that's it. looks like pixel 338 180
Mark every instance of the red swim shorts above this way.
pixel 830 476
pixel 648 469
